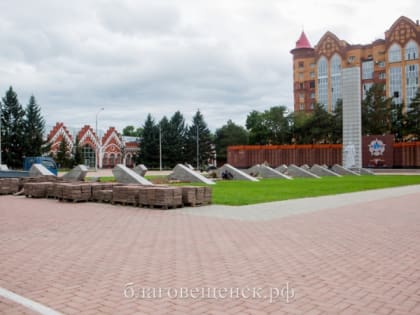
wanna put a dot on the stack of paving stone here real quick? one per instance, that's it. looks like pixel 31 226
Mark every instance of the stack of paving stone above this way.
pixel 97 191
pixel 9 186
pixel 195 196
pixel 37 190
pixel 126 194
pixel 162 197
pixel 73 191
pixel 104 195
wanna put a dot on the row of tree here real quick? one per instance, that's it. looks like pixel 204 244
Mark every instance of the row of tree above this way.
pixel 173 141
pixel 22 129
pixel 273 126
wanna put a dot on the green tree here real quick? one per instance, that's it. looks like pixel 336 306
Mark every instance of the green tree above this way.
pixel 131 131
pixel 337 123
pixel 398 121
pixel 376 111
pixel 164 132
pixel 229 134
pixel 320 125
pixel 77 153
pixel 149 145
pixel 173 139
pixel 63 155
pixel 300 128
pixel 270 127
pixel 13 130
pixel 413 117
pixel 198 128
pixel 34 129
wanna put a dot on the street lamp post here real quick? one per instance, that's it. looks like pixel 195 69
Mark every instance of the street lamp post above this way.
pixel 99 142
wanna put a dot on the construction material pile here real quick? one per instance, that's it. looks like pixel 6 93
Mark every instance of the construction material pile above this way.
pixel 9 186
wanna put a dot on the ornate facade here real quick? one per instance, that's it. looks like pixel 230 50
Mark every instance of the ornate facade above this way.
pixel 105 152
pixel 393 61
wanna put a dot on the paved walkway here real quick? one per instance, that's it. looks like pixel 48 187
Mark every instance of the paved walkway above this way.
pixel 349 254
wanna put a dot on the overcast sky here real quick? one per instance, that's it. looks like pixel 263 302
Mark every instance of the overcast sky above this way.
pixel 133 57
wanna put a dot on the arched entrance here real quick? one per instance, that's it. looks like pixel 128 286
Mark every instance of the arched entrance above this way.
pixel 89 156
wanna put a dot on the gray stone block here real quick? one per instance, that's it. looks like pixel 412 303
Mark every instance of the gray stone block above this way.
pixel 39 170
pixel 236 174
pixel 282 168
pixel 185 174
pixel 296 171
pixel 140 169
pixel 305 167
pixel 3 167
pixel 365 171
pixel 343 171
pixel 125 175
pixel 322 171
pixel 78 173
pixel 265 171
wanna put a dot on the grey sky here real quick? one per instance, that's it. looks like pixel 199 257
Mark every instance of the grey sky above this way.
pixel 133 57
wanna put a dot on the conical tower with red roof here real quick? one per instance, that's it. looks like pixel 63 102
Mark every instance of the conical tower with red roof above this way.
pixel 303 74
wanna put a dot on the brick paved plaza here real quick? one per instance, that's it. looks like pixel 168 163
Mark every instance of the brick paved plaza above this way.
pixel 362 257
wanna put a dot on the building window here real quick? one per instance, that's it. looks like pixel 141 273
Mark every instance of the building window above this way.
pixel 300 76
pixel 411 50
pixel 351 59
pixel 381 64
pixel 312 84
pixel 395 84
pixel 412 82
pixel 302 106
pixel 366 88
pixel 367 70
pixel 301 86
pixel 323 81
pixel 394 53
pixel 382 76
pixel 312 65
pixel 301 64
pixel 312 75
pixel 335 80
pixel 301 97
pixel 312 95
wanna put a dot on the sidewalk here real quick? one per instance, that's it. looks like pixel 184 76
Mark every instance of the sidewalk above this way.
pixel 347 254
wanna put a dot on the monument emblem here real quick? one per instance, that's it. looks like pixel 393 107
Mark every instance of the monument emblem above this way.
pixel 376 147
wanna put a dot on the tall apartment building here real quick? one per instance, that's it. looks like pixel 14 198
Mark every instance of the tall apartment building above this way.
pixel 393 61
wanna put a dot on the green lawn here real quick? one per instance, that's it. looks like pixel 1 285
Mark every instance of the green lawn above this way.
pixel 244 193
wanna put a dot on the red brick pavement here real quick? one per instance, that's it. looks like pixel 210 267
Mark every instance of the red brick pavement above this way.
pixel 78 259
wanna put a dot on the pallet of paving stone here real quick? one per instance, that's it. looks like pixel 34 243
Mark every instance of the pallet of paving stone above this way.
pixel 164 197
pixel 9 186
pixel 37 190
pixel 105 195
pixel 74 192
pixel 208 194
pixel 143 197
pixel 126 194
pixel 196 195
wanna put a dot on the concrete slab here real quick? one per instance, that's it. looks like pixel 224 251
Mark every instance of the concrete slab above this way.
pixel 3 167
pixel 39 170
pixel 141 170
pixel 343 171
pixel 264 171
pixel 365 171
pixel 236 174
pixel 322 171
pixel 78 173
pixel 296 171
pixel 282 168
pixel 127 176
pixel 184 173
